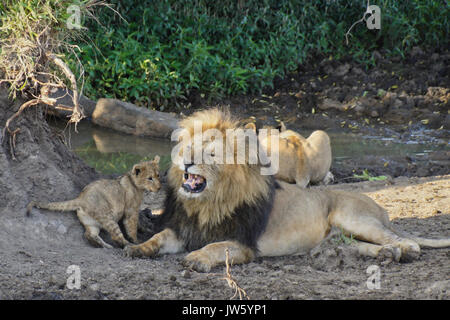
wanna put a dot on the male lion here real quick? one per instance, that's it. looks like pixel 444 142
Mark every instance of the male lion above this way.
pixel 213 207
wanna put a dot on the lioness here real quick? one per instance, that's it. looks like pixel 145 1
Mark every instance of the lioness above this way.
pixel 215 206
pixel 301 160
pixel 104 202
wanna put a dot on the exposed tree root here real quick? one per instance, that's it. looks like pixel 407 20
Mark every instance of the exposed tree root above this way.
pixel 77 111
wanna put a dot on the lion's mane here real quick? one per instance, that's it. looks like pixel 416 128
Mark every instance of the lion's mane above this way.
pixel 239 207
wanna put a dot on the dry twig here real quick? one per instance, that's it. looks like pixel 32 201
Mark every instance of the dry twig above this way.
pixel 354 24
pixel 231 281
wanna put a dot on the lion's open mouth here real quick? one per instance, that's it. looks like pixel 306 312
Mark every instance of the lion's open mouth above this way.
pixel 193 183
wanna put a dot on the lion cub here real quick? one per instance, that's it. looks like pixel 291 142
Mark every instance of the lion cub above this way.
pixel 301 160
pixel 104 202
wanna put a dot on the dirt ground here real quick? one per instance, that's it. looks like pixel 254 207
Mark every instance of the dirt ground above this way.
pixel 37 251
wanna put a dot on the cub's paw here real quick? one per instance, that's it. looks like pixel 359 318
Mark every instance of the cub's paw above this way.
pixel 198 261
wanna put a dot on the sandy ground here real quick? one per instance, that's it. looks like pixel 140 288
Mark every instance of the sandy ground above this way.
pixel 37 252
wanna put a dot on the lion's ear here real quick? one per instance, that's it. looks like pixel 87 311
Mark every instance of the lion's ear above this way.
pixel 281 127
pixel 156 159
pixel 136 169
pixel 251 126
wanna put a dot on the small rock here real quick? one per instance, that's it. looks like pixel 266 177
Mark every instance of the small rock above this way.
pixel 359 107
pixel 342 70
pixel 440 155
pixel 290 268
pixel 419 101
pixel 416 52
pixel 397 104
pixel 331 104
pixel 434 57
pixel 186 274
pixel 62 229
pixel 435 121
pixel 358 71
pixel 94 287
pixel 422 172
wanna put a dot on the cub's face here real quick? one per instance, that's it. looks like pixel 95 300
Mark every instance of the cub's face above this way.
pixel 145 175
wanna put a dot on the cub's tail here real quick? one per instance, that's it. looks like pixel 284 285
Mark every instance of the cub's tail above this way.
pixel 70 205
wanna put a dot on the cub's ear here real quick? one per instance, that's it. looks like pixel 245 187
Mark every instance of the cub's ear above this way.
pixel 251 126
pixel 156 159
pixel 136 169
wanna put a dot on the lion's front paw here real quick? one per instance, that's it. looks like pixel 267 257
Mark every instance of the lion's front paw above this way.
pixel 198 261
pixel 133 251
pixel 146 249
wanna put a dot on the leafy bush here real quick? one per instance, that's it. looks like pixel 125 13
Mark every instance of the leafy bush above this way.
pixel 169 49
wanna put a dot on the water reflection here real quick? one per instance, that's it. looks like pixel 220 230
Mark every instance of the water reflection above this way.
pixel 109 151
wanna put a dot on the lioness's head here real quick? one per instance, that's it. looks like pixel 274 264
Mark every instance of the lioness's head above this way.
pixel 145 175
pixel 214 167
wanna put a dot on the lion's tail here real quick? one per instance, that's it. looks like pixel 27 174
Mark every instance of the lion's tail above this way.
pixel 425 242
pixel 70 205
pixel 431 243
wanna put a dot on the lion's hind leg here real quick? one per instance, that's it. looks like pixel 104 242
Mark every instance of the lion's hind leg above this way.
pixel 368 228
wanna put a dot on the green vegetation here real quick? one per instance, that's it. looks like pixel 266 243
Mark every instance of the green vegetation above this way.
pixel 169 49
pixel 157 53
pixel 342 238
pixel 367 176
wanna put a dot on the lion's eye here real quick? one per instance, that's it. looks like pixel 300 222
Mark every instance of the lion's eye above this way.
pixel 151 179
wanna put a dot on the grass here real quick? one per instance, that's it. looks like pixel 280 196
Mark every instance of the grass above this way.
pixel 341 238
pixel 368 177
